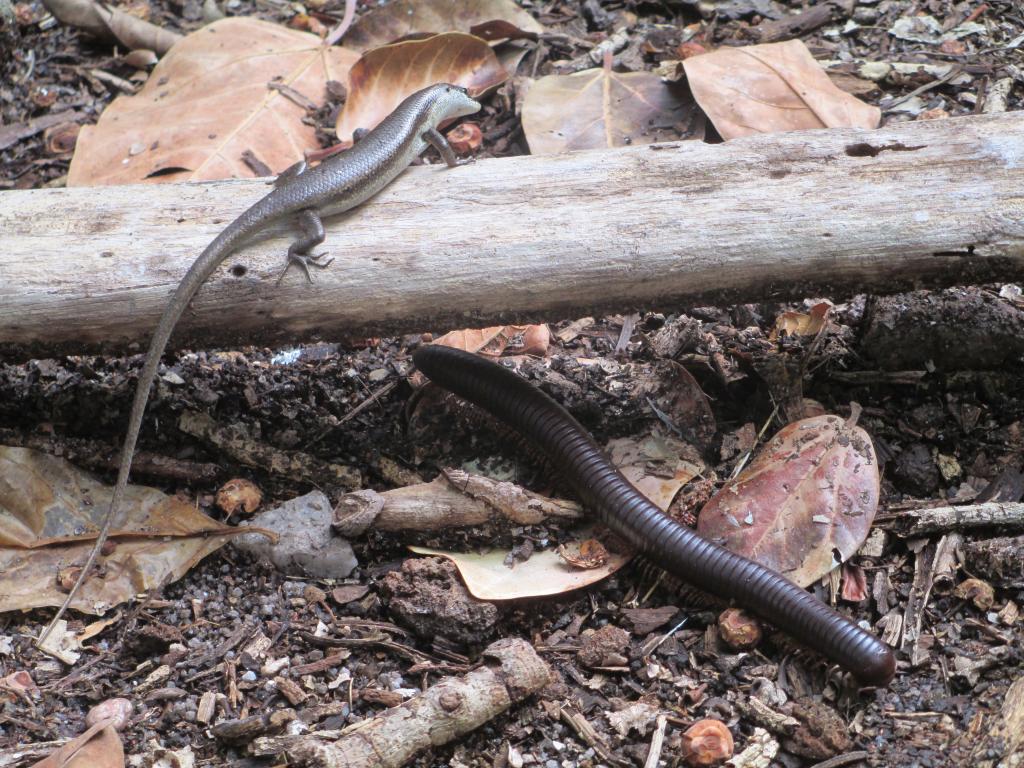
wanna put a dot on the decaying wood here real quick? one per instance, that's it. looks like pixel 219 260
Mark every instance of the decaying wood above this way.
pixel 449 709
pixel 913 523
pixel 772 216
pixel 945 564
pixel 917 601
pixel 454 499
pixel 1003 744
pixel 236 442
pixel 1000 560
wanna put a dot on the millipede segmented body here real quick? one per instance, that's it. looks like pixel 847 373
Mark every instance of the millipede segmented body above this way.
pixel 672 546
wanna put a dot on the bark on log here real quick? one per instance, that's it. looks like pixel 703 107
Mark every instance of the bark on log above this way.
pixel 772 216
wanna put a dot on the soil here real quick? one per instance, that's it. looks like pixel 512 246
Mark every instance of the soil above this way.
pixel 936 379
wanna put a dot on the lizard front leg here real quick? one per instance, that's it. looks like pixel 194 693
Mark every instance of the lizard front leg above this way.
pixel 434 138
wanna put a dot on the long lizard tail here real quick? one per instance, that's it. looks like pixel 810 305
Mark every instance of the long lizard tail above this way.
pixel 222 246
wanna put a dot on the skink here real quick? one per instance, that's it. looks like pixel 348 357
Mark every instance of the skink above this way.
pixel 339 183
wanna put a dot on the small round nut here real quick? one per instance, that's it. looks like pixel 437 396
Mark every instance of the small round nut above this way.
pixel 740 630
pixel 707 743
pixel 465 138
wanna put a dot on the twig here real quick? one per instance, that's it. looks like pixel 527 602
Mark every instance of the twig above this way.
pixel 840 760
pixel 926 87
pixel 657 739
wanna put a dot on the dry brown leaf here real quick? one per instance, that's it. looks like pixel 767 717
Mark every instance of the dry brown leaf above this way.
pixel 771 87
pixel 112 24
pixel 658 466
pixel 802 324
pixel 98 747
pixel 494 341
pixel 810 493
pixel 401 18
pixel 675 397
pixel 379 81
pixel 50 512
pixel 207 103
pixel 488 577
pixel 586 554
pixel 599 108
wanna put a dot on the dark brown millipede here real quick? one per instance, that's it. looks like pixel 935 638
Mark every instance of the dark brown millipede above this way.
pixel 670 545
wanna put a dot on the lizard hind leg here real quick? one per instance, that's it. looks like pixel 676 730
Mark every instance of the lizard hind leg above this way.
pixel 298 251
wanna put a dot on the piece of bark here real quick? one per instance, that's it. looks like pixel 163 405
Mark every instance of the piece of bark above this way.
pixel 945 565
pixel 1000 560
pixel 451 708
pixel 797 25
pixel 674 222
pixel 236 442
pixel 913 523
pixel 917 601
pixel 453 499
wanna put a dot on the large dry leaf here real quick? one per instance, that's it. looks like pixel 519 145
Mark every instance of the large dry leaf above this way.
pixel 807 497
pixel 398 19
pixel 771 87
pixel 50 512
pixel 488 577
pixel 208 103
pixel 658 466
pixel 599 108
pixel 383 77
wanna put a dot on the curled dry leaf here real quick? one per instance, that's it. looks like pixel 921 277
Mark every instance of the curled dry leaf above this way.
pixel 545 573
pixel 207 104
pixel 402 18
pixel 239 494
pixel 379 81
pixel 772 87
pixel 496 340
pixel 587 554
pixel 108 23
pixel 855 583
pixel 802 324
pixel 804 504
pixel 49 515
pixel 675 397
pixel 599 108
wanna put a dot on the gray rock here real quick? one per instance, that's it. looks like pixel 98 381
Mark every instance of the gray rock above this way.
pixel 306 546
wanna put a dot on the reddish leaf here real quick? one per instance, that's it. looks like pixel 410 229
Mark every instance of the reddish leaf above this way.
pixel 855 583
pixel 804 504
pixel 379 81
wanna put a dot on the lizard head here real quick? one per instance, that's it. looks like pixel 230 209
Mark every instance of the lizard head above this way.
pixel 450 101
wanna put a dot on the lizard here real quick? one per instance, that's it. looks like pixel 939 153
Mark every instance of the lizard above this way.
pixel 337 184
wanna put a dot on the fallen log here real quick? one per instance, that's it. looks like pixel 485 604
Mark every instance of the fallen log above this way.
pixel 773 216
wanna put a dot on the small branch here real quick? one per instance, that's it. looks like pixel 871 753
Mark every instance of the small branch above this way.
pixel 449 709
pixel 454 499
pixel 914 523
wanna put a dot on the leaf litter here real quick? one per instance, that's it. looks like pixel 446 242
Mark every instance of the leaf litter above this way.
pixel 951 97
